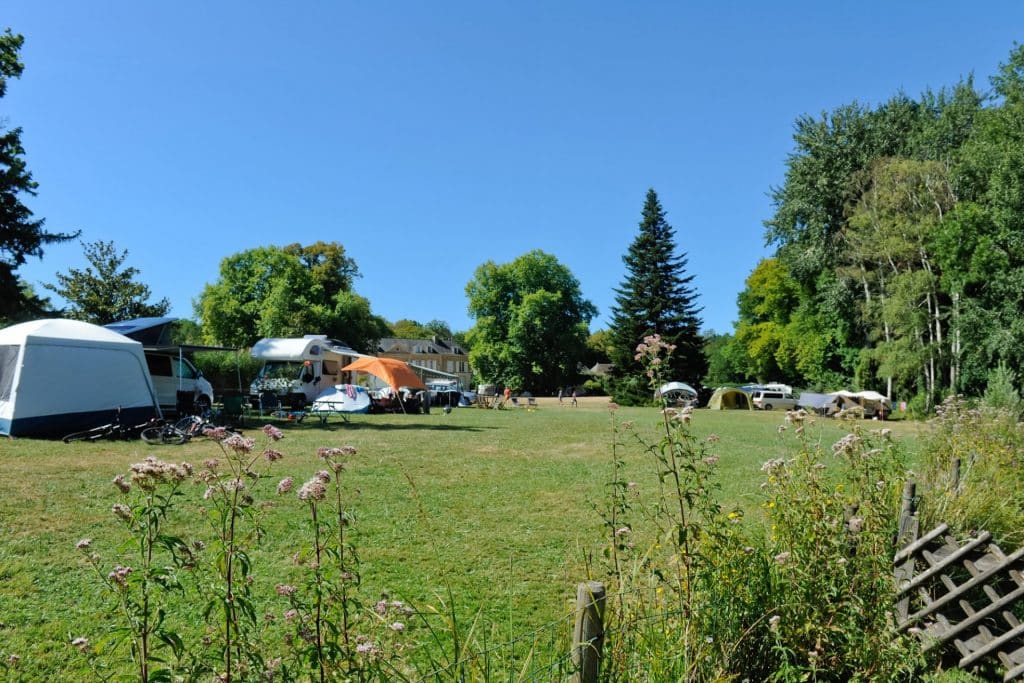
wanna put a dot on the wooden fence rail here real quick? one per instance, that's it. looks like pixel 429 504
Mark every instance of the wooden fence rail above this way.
pixel 960 597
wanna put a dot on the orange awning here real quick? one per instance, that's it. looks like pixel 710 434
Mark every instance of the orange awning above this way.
pixel 395 372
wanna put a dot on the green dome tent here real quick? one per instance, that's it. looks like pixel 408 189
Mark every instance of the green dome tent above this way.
pixel 728 398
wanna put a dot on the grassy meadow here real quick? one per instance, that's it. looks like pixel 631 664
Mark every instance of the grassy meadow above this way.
pixel 501 506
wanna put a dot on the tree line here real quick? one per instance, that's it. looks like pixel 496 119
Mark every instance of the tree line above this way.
pixel 899 249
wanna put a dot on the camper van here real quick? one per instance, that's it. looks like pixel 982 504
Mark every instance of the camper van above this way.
pixel 765 399
pixel 174 375
pixel 297 370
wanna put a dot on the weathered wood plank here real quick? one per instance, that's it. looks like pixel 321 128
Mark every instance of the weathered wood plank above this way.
pixel 920 543
pixel 948 561
pixel 991 646
pixel 981 615
pixel 934 605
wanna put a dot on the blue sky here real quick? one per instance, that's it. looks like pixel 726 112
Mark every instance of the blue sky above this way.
pixel 428 138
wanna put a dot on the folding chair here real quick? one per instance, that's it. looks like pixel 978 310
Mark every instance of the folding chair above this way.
pixel 269 403
pixel 233 408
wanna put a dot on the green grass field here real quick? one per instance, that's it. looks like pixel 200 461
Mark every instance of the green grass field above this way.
pixel 502 506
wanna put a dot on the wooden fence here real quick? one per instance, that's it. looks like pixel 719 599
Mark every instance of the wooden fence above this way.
pixel 959 598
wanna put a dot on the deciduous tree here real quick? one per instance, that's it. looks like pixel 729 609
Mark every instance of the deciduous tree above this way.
pixel 531 325
pixel 286 292
pixel 105 291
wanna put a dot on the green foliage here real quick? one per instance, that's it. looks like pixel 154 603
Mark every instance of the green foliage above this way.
pixel 698 595
pixel 410 329
pixel 656 297
pixel 227 369
pixel 105 292
pixel 287 292
pixel 531 323
pixel 21 235
pixel 987 443
pixel 900 226
pixel 1001 392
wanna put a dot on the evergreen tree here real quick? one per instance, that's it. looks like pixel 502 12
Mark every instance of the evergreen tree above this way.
pixel 657 297
pixel 21 235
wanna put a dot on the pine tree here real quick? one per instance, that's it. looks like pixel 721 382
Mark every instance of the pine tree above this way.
pixel 21 235
pixel 657 297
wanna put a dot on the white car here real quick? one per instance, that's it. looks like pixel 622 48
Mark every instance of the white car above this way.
pixel 773 400
pixel 171 374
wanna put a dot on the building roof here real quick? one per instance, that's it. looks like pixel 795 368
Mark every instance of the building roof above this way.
pixel 435 345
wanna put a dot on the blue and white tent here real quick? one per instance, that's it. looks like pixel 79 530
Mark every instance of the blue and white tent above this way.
pixel 63 376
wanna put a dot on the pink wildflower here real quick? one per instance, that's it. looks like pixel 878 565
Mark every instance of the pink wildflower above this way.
pixel 122 484
pixel 272 432
pixel 312 490
pixel 81 643
pixel 271 455
pixel 239 444
pixel 120 575
pixel 285 485
pixel 84 544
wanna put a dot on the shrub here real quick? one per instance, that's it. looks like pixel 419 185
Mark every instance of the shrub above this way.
pixel 699 596
pixel 989 492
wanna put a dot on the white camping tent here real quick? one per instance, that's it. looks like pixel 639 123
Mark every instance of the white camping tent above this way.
pixel 677 391
pixel 62 376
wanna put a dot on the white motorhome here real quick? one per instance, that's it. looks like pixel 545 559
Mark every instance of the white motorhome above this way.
pixel 297 370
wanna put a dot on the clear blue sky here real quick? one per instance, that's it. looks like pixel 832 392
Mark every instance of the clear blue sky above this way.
pixel 428 138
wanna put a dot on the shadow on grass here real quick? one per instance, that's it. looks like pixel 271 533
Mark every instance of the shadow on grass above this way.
pixel 307 426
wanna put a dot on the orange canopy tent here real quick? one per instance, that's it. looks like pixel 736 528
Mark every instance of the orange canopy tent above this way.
pixel 396 373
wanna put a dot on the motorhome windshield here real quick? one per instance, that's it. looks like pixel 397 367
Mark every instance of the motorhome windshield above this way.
pixel 281 369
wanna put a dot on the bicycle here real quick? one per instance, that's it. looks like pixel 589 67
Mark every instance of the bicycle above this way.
pixel 114 430
pixel 177 433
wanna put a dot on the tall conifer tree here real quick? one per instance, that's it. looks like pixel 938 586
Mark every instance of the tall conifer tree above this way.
pixel 21 235
pixel 657 297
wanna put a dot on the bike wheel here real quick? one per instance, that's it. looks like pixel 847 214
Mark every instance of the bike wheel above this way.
pixel 163 436
pixel 87 435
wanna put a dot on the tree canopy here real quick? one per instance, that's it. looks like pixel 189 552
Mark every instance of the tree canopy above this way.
pixel 105 292
pixel 656 297
pixel 899 261
pixel 287 292
pixel 21 234
pixel 532 322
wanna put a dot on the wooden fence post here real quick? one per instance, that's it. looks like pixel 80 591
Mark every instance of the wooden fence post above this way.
pixel 909 530
pixel 588 632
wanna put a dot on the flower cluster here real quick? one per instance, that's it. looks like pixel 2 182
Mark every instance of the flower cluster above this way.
pixel 152 472
pixel 652 352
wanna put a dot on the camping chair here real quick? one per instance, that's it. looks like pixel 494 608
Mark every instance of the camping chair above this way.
pixel 185 403
pixel 233 407
pixel 269 403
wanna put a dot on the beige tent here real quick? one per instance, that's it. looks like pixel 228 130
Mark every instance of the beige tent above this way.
pixel 728 398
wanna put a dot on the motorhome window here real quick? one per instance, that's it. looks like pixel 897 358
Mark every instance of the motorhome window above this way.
pixel 281 369
pixel 330 367
pixel 159 366
pixel 314 350
pixel 8 362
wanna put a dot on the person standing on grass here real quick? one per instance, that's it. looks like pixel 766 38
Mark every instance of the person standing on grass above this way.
pixel 508 394
pixel 559 394
pixel 574 403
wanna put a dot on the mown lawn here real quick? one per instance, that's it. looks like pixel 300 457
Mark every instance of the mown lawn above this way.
pixel 503 507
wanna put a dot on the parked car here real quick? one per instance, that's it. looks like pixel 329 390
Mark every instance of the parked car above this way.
pixel 172 373
pixel 773 400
